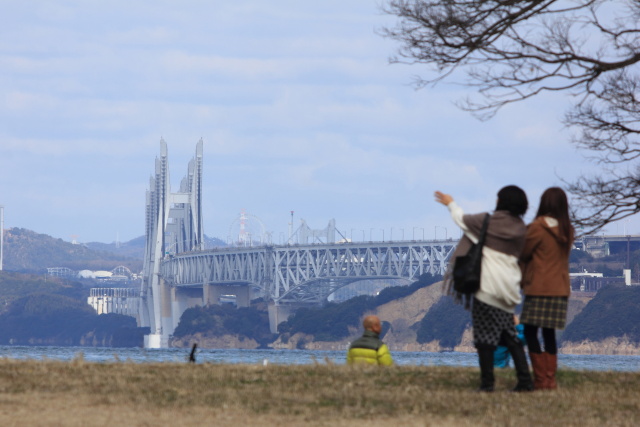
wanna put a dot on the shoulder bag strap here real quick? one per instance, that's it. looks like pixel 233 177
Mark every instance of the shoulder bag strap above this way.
pixel 483 232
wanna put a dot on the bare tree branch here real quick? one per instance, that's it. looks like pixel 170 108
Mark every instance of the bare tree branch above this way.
pixel 515 50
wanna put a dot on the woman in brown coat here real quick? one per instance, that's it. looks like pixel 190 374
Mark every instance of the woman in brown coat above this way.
pixel 546 283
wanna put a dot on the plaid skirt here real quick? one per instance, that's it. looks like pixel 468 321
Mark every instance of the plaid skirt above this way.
pixel 545 312
pixel 489 323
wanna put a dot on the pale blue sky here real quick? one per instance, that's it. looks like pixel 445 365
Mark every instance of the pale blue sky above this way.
pixel 295 101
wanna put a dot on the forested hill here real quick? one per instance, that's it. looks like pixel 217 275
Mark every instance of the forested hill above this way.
pixel 35 310
pixel 334 321
pixel 613 313
pixel 30 252
pixel 338 321
pixel 17 285
pixel 609 323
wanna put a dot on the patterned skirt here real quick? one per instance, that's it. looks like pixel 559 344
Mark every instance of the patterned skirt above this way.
pixel 545 312
pixel 489 323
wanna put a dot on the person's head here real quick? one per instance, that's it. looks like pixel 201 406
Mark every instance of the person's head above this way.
pixel 553 203
pixel 512 199
pixel 372 323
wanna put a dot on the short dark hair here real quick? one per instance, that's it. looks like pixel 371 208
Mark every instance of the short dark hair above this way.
pixel 512 199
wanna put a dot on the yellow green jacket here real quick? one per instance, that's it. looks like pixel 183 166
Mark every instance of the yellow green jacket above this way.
pixel 369 349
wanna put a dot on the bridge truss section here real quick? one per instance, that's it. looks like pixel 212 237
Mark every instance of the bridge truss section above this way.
pixel 311 274
pixel 115 300
pixel 303 274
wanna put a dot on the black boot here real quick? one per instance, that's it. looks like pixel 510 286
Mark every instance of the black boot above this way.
pixel 485 357
pixel 520 362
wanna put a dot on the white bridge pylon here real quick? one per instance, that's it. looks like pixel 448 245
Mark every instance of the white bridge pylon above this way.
pixel 173 225
pixel 178 273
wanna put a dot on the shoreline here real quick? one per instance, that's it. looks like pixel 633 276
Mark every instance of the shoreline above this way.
pixel 614 346
pixel 608 347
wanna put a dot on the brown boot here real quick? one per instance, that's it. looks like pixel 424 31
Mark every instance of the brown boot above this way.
pixel 539 370
pixel 551 366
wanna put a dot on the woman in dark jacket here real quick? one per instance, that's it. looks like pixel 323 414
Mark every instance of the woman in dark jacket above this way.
pixel 546 283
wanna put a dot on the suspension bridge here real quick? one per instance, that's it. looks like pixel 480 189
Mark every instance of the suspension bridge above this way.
pixel 179 273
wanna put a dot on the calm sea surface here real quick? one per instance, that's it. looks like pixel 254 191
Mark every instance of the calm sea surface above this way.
pixel 290 357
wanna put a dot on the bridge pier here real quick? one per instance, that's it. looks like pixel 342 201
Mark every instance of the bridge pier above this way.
pixel 182 299
pixel 277 315
pixel 243 298
pixel 166 314
pixel 155 341
pixel 211 294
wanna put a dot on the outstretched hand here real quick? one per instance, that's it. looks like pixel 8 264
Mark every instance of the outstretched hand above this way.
pixel 445 199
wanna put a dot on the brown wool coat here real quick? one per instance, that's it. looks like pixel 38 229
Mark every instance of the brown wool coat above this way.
pixel 545 261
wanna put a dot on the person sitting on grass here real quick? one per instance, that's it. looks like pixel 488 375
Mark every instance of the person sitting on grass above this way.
pixel 369 348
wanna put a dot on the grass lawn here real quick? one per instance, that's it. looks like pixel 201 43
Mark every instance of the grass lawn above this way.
pixel 78 393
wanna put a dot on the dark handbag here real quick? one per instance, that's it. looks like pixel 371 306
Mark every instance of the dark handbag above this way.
pixel 467 268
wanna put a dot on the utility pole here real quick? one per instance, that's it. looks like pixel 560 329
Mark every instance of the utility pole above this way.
pixel 628 252
pixel 291 229
pixel 1 234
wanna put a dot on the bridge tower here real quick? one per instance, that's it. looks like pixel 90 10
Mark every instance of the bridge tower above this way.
pixel 173 225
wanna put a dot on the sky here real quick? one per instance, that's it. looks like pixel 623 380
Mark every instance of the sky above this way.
pixel 297 105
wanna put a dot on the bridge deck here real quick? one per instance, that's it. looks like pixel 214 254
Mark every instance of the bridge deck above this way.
pixel 296 273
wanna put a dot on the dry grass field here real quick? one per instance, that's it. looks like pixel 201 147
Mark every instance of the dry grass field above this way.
pixel 77 393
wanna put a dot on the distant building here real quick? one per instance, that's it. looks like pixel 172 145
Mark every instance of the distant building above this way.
pixel 592 282
pixel 119 276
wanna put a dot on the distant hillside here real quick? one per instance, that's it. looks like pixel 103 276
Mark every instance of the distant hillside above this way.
pixel 30 252
pixel 213 242
pixel 445 322
pixel 35 310
pixel 338 321
pixel 613 313
pixel 17 285
pixel 427 320
pixel 419 317
pixel 135 248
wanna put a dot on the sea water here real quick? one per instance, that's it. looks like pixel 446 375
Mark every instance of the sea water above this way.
pixel 290 357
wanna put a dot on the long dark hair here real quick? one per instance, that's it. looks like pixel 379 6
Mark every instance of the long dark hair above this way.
pixel 554 203
pixel 512 199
